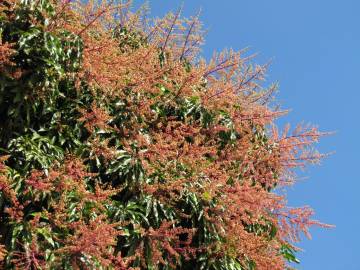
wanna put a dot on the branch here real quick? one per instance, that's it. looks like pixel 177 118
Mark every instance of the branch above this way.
pixel 171 27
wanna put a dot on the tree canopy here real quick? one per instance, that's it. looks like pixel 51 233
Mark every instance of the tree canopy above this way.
pixel 122 148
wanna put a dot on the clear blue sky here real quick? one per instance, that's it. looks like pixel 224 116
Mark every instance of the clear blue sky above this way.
pixel 315 47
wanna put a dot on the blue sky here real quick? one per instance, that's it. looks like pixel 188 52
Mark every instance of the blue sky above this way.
pixel 315 50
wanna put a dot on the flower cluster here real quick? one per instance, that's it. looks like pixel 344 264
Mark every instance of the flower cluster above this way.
pixel 121 148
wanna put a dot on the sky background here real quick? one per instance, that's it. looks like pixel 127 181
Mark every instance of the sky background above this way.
pixel 314 46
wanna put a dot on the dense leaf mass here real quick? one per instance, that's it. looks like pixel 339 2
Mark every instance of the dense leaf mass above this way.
pixel 120 148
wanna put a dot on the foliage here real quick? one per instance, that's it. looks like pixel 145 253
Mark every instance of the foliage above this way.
pixel 122 149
